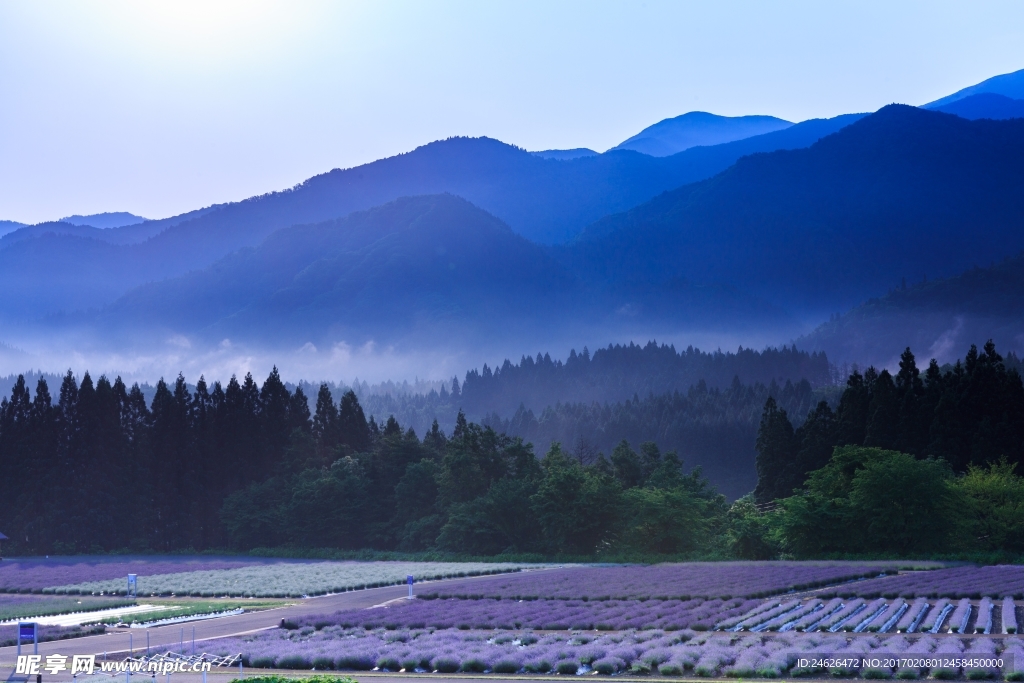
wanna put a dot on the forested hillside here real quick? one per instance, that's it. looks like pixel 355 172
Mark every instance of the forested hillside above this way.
pixel 942 316
pixel 903 464
pixel 897 194
pixel 425 272
pixel 971 414
pixel 705 406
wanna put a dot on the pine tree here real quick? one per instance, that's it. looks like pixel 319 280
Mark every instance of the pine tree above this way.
pixel 775 455
pixel 352 428
pixel 326 426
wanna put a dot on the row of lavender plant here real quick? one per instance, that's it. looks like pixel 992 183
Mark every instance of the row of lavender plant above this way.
pixel 728 623
pixel 912 617
pixel 1009 616
pixel 765 617
pixel 955 582
pixel 962 613
pixel 541 614
pixel 667 581
pixel 841 616
pixel 888 618
pixel 677 653
pixel 984 621
pixel 808 621
pixel 799 611
pixel 871 612
pixel 936 615
pixel 877 616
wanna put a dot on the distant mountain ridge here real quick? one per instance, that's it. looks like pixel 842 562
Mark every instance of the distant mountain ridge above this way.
pixel 1008 85
pixel 984 106
pixel 9 226
pixel 698 129
pixel 565 154
pixel 898 193
pixel 777 235
pixel 110 219
pixel 502 179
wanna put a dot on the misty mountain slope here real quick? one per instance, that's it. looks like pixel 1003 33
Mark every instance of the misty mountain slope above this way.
pixel 61 272
pixel 518 182
pixel 420 261
pixel 1008 85
pixel 432 271
pixel 29 232
pixel 902 192
pixel 938 318
pixel 9 226
pixel 984 106
pixel 698 128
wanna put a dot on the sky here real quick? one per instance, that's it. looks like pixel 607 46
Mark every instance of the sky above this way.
pixel 162 107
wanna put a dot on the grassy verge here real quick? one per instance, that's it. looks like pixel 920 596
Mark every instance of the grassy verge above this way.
pixel 45 607
pixel 189 608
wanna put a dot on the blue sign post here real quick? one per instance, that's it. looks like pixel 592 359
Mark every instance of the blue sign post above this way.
pixel 133 586
pixel 409 580
pixel 28 630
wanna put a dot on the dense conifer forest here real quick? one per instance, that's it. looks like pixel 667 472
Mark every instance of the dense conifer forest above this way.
pixel 926 460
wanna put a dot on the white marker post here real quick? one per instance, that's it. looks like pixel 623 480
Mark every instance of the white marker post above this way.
pixel 409 580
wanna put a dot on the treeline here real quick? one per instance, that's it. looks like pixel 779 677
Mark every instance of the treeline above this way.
pixel 481 493
pixel 247 466
pixel 96 468
pixel 906 465
pixel 611 375
pixel 243 466
pixel 713 428
pixel 970 414
pixel 873 502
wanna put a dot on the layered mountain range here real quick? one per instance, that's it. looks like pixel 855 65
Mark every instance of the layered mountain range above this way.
pixel 698 223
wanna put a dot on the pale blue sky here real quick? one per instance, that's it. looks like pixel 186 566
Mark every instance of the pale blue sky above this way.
pixel 157 108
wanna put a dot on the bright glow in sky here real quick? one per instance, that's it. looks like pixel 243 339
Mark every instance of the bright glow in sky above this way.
pixel 161 107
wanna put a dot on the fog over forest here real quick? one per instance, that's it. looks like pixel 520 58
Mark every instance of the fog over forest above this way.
pixel 525 290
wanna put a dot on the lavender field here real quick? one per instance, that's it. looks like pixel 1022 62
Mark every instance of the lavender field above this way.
pixel 638 652
pixel 723 580
pixel 807 615
pixel 289 579
pixel 33 575
pixel 555 615
pixel 955 582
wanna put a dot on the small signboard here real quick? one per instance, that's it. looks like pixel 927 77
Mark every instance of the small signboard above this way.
pixel 408 579
pixel 133 586
pixel 28 631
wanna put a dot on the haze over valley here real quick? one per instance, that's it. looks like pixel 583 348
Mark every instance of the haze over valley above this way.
pixel 668 285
